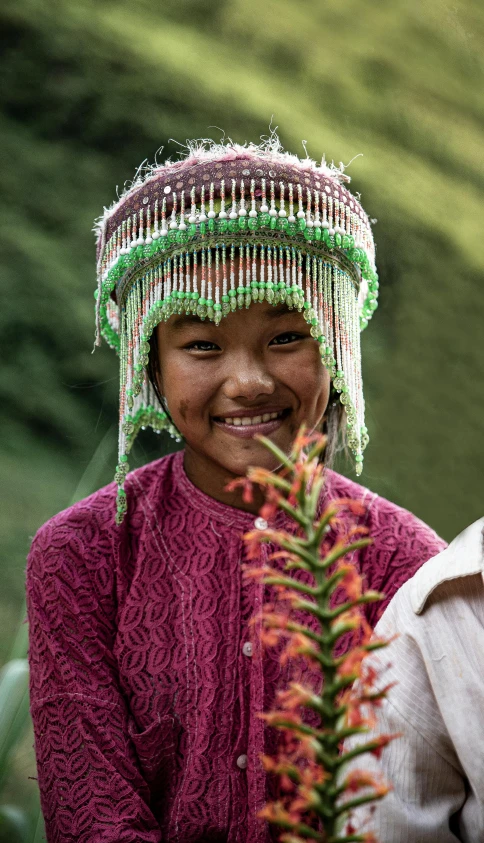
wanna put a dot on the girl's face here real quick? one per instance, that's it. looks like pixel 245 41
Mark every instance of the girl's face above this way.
pixel 259 371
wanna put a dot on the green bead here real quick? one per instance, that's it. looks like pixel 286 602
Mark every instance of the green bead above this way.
pixel 222 225
pixel 282 223
pixel 301 224
pixel 182 236
pixel 252 223
pixel 203 228
pixel 264 219
pixel 232 293
pixel 202 301
pixel 291 228
pixel 211 224
pixel 308 233
pixel 307 305
pixel 273 223
pixel 217 306
pixel 338 239
pixel 317 234
pixel 192 229
pixel 242 223
pixel 233 225
pixel 225 298
pixel 195 295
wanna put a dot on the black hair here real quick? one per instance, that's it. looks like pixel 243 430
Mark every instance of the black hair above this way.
pixel 333 423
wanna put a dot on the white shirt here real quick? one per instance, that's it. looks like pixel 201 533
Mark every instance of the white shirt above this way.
pixel 437 766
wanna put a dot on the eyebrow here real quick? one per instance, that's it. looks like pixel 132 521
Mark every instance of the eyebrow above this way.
pixel 182 321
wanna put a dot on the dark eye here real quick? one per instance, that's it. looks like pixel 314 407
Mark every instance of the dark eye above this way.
pixel 286 338
pixel 202 345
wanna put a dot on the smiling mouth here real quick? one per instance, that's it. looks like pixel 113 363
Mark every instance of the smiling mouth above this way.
pixel 252 421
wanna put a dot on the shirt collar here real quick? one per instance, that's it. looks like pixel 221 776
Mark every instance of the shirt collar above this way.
pixel 463 557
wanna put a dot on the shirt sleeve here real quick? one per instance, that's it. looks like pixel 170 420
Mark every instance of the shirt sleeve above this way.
pixel 428 783
pixel 427 790
pixel 91 787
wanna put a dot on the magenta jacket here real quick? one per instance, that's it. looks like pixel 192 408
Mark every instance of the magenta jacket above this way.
pixel 145 677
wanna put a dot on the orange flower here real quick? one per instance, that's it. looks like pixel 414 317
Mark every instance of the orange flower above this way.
pixel 275 718
pixel 242 483
pixel 295 696
pixel 299 645
pixel 275 812
pixel 306 800
pixel 351 582
pixel 357 779
pixel 352 662
pixel 383 741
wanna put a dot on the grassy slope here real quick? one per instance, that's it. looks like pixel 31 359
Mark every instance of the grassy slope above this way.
pixel 94 87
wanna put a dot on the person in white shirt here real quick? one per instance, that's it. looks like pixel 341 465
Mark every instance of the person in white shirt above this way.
pixel 436 767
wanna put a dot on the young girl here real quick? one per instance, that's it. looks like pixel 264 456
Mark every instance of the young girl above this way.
pixel 233 285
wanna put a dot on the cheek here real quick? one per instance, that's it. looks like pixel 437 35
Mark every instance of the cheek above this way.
pixel 186 389
pixel 309 379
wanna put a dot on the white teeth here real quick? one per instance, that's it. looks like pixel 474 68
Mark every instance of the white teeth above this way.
pixel 247 421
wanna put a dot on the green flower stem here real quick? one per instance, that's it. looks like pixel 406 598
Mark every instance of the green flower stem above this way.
pixel 339 552
pixel 356 803
pixel 282 458
pixel 305 552
pixel 362 749
pixel 294 585
pixel 292 512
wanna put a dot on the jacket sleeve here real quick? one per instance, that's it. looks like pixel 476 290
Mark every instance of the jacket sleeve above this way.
pixel 91 787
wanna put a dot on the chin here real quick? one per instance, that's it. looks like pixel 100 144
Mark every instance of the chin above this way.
pixel 255 455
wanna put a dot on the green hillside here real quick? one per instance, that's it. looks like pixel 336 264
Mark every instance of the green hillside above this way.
pixel 93 88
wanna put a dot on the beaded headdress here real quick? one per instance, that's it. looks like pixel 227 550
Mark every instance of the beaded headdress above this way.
pixel 216 231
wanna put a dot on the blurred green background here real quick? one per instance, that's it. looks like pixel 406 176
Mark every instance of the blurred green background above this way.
pixel 93 87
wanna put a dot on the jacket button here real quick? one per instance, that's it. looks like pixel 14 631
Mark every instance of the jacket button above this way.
pixel 242 762
pixel 247 648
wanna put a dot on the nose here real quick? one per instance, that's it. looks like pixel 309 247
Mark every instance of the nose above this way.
pixel 247 378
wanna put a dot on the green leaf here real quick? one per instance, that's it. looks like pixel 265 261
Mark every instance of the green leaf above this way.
pixel 14 707
pixel 14 825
